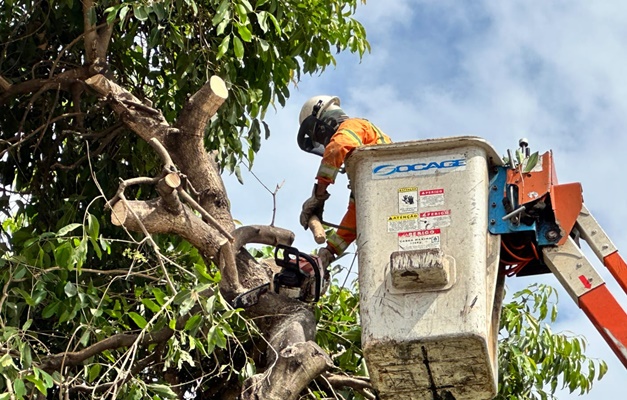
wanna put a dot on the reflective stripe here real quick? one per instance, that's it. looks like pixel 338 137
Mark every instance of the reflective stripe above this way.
pixel 327 171
pixel 381 136
pixel 338 244
pixel 354 135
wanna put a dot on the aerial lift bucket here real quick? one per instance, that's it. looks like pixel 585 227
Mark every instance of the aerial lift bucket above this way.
pixel 430 292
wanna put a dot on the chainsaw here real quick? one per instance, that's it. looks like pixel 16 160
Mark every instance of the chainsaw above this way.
pixel 302 277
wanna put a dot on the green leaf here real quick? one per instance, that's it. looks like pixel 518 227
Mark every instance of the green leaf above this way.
pixel 140 12
pixel 111 13
pixel 242 13
pixel 193 323
pixel 96 247
pixel 24 295
pixel 151 305
pixel 221 12
pixel 159 296
pixel 19 388
pixel 138 319
pixel 244 33
pixel 79 255
pixel 26 357
pixel 63 254
pixel 247 6
pixel 187 305
pixel 50 309
pixel 70 289
pixel 277 26
pixel 85 338
pixel 93 226
pixel 162 390
pixel 238 47
pixel 123 13
pixel 223 47
pixel 262 17
pixel 94 372
pixel 531 162
pixel 27 324
pixel 67 229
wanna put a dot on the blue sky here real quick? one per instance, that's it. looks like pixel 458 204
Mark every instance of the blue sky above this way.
pixel 550 71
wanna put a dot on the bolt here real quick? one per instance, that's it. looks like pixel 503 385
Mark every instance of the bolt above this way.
pixel 552 235
pixel 493 205
pixel 494 187
pixel 492 222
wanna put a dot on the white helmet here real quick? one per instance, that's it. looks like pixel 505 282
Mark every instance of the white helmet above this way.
pixel 325 102
pixel 316 128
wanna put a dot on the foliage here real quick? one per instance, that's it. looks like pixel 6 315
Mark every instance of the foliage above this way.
pixel 49 293
pixel 163 52
pixel 532 359
pixel 70 279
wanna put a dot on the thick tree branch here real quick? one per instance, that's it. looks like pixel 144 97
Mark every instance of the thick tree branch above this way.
pixel 202 106
pixel 4 84
pixel 147 124
pixel 157 219
pixel 296 366
pixel 262 234
pixel 186 146
pixel 97 38
pixel 64 81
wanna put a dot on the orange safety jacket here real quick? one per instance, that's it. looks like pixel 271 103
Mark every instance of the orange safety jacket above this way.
pixel 352 133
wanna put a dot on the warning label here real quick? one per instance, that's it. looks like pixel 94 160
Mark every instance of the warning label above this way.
pixel 419 240
pixel 408 200
pixel 431 198
pixel 435 219
pixel 404 222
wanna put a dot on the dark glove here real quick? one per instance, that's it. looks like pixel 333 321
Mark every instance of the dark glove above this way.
pixel 313 206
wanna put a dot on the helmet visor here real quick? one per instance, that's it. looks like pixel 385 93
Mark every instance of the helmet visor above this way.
pixel 306 136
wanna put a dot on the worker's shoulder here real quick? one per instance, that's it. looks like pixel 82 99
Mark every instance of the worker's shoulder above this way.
pixel 355 124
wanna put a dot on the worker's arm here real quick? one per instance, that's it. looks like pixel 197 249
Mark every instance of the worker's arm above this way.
pixel 340 145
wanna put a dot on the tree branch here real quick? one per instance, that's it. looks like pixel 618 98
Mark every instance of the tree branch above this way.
pixel 147 124
pixel 360 384
pixel 65 79
pixel 202 106
pixel 157 219
pixel 262 234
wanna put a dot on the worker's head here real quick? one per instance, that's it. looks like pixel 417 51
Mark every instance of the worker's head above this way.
pixel 319 119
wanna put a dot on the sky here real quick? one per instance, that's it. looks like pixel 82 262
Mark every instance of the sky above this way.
pixel 550 71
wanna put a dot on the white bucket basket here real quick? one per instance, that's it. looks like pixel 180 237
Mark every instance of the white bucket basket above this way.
pixel 427 267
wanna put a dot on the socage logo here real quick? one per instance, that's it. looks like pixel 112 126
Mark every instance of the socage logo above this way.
pixel 432 166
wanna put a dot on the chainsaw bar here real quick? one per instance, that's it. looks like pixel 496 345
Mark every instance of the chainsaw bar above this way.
pixel 251 297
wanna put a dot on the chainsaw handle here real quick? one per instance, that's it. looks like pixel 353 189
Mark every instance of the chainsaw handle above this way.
pixel 317 229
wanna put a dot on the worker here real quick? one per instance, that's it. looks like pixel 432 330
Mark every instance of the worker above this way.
pixel 326 130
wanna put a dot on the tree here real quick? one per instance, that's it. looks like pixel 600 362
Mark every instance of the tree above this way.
pixel 92 92
pixel 123 288
pixel 533 359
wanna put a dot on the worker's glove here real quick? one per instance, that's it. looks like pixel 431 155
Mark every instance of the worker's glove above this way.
pixel 326 257
pixel 313 206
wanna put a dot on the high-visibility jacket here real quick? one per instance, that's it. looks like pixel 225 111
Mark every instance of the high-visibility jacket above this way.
pixel 352 133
